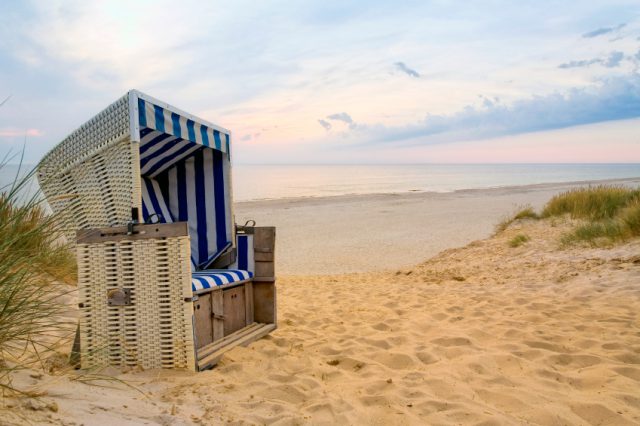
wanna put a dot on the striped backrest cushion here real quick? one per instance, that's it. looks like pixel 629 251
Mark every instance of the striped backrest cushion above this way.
pixel 154 206
pixel 198 194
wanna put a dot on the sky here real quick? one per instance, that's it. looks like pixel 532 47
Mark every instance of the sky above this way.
pixel 337 81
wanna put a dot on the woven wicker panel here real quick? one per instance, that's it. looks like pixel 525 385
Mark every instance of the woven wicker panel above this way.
pixel 156 330
pixel 108 126
pixel 98 192
pixel 91 179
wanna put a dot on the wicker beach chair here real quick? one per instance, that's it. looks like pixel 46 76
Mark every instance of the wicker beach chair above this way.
pixel 165 278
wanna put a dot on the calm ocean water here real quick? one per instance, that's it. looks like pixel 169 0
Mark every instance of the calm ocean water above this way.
pixel 255 182
pixel 283 181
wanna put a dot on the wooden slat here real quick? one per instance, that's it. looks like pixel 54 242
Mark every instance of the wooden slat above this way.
pixel 248 299
pixel 207 350
pixel 141 232
pixel 264 302
pixel 217 313
pixel 256 334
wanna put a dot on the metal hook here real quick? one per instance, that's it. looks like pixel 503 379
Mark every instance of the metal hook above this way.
pixel 149 221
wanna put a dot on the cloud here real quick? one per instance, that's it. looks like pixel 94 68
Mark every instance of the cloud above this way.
pixel 601 31
pixel 401 66
pixel 341 116
pixel 613 99
pixel 325 124
pixel 5 100
pixel 580 64
pixel 612 61
pixel 13 132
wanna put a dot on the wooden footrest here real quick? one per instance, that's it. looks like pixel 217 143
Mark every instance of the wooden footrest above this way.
pixel 209 355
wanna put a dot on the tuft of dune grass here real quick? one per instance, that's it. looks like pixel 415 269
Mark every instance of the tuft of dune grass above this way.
pixel 593 203
pixel 519 240
pixel 34 266
pixel 524 212
pixel 609 213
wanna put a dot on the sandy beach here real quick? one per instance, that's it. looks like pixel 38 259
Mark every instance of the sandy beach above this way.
pixel 343 234
pixel 404 309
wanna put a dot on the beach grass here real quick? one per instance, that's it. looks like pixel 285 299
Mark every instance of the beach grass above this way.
pixel 523 212
pixel 595 203
pixel 606 214
pixel 519 240
pixel 35 270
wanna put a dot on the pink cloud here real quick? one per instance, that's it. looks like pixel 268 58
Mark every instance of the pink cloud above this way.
pixel 13 132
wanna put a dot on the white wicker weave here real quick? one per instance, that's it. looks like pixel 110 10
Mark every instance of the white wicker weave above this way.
pixel 91 179
pixel 156 329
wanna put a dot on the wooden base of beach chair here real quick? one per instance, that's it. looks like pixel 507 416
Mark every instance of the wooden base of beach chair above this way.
pixel 209 355
pixel 138 308
pixel 234 316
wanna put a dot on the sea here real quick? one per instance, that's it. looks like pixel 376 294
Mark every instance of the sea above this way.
pixel 261 182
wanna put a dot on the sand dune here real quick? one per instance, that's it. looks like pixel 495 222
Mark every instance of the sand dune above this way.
pixel 485 334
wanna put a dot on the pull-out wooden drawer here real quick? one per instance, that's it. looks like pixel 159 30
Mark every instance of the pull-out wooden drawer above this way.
pixel 222 312
pixel 234 305
pixel 203 318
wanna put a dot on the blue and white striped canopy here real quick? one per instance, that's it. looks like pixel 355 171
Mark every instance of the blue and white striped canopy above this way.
pixel 185 177
pixel 172 123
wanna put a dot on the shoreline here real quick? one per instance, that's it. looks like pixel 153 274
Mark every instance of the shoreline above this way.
pixel 382 232
pixel 621 181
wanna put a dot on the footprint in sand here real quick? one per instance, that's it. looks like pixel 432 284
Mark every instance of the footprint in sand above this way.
pixel 286 393
pixel 396 361
pixel 325 413
pixel 628 358
pixel 574 361
pixel 614 346
pixel 630 372
pixel 282 378
pixel 546 345
pixel 597 414
pixel 426 358
pixel 512 333
pixel 439 316
pixel 477 368
pixel 502 400
pixel 330 350
pixel 452 341
pixel 378 343
pixel 381 326
pixel 434 406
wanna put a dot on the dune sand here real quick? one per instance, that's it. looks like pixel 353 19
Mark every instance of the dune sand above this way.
pixel 483 334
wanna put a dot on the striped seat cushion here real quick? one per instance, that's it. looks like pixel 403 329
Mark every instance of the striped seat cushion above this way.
pixel 204 280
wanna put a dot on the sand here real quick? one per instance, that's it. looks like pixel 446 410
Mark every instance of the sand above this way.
pixel 482 334
pixel 342 234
